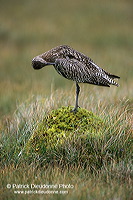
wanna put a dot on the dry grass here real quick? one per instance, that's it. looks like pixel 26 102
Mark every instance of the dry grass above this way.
pixel 108 176
pixel 101 29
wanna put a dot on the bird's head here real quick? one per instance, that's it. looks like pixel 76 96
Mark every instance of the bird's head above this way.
pixel 38 62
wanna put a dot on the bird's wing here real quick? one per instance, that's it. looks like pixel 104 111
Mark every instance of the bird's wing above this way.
pixel 77 71
pixel 102 70
pixel 71 69
pixel 102 77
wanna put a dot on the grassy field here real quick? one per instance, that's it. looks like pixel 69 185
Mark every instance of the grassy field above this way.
pixel 100 29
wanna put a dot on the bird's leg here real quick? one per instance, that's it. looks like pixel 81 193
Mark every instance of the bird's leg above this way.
pixel 77 94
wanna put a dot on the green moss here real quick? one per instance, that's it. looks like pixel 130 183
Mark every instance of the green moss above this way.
pixel 60 125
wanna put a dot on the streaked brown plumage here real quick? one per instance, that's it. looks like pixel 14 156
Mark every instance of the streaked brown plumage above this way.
pixel 75 66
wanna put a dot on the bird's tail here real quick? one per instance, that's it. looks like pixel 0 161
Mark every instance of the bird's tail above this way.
pixel 112 82
pixel 113 76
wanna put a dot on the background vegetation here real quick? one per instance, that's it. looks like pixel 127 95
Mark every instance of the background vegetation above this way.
pixel 102 30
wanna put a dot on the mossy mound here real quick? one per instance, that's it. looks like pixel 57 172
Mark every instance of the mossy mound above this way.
pixel 60 125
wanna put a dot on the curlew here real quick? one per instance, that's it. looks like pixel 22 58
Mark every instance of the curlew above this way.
pixel 74 66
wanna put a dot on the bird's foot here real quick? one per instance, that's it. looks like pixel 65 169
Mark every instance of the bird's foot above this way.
pixel 75 109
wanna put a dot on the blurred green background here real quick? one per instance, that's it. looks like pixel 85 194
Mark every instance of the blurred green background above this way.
pixel 101 29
